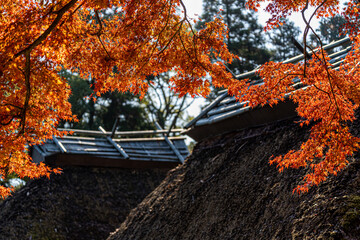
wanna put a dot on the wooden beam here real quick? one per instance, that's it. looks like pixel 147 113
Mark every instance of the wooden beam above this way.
pixel 207 109
pixel 114 127
pixel 122 133
pixel 180 157
pixel 59 145
pixel 37 154
pixel 117 146
pixel 127 139
pixel 154 157
pixel 300 47
pixel 297 58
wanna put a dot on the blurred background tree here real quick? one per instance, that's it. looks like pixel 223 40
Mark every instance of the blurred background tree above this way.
pixel 163 105
pixel 281 41
pixel 104 111
pixel 330 29
pixel 245 38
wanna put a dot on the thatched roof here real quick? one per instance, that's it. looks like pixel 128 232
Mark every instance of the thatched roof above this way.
pixel 227 190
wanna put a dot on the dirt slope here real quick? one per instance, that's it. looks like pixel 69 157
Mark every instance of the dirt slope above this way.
pixel 81 203
pixel 227 190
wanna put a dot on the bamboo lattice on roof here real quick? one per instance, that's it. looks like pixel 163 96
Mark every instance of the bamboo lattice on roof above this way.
pixel 94 150
pixel 225 114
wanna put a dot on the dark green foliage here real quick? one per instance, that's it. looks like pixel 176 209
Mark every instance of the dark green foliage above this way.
pixel 330 29
pixel 246 37
pixel 281 40
pixel 80 105
pixel 132 115
pixel 107 107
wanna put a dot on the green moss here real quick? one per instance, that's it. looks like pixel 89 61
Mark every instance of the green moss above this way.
pixel 45 232
pixel 46 226
pixel 351 219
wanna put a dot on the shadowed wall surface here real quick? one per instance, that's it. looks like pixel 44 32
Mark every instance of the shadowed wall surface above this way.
pixel 81 203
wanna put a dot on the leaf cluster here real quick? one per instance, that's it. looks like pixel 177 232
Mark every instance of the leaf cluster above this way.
pixel 328 98
pixel 140 39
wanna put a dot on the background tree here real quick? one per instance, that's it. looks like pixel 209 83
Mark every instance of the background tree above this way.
pixel 159 104
pixel 162 104
pixel 132 114
pixel 107 107
pixel 331 29
pixel 281 40
pixel 245 37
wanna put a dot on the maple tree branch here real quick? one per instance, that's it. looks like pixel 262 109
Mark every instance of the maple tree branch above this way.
pixel 191 28
pixel 321 90
pixel 308 26
pixel 60 13
pixel 102 44
pixel 98 33
pixel 183 5
pixel 305 33
pixel 172 37
pixel 28 92
pixel 73 12
pixel 333 92
pixel 189 55
pixel 139 14
pixel 278 82
pixel 10 120
pixel 161 31
pixel 323 60
pixel 178 31
pixel 182 43
pixel 158 38
pixel 12 105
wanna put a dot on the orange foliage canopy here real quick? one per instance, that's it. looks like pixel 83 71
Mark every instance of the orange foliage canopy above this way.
pixel 144 37
pixel 329 100
pixel 148 37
